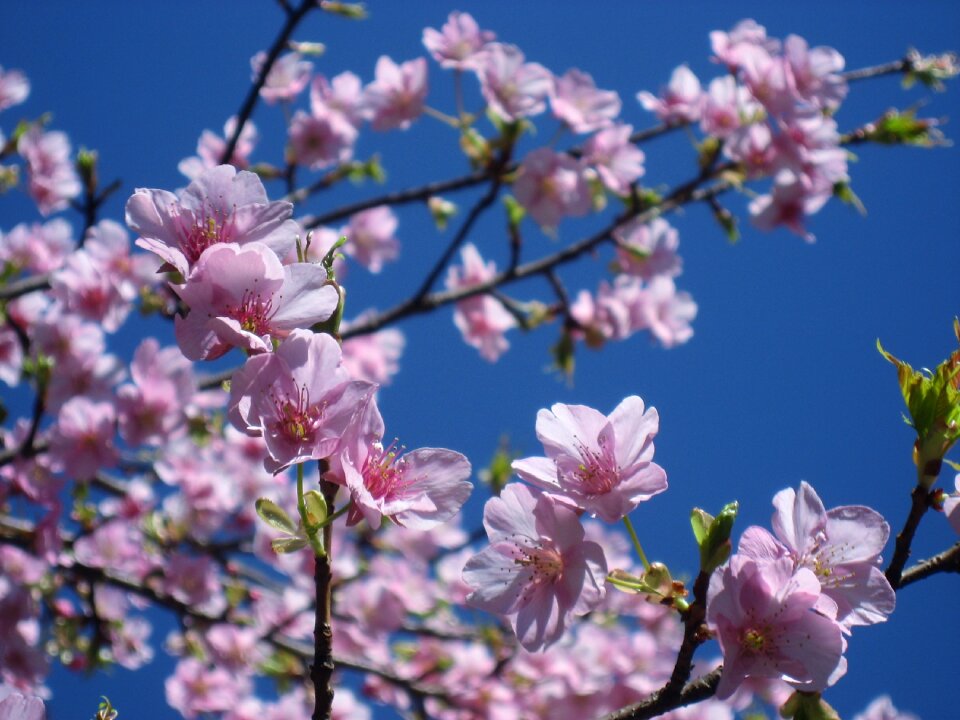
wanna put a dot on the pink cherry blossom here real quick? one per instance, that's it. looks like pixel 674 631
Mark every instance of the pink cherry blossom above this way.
pixel 396 96
pixel 83 365
pixel 664 311
pixel 370 237
pixel 513 88
pixel 52 179
pixel 14 88
pixel 210 149
pixel 341 94
pixel 538 570
pixel 726 106
pixel 481 319
pixel 458 43
pixel 86 288
pixel 196 689
pixel 241 296
pixel 840 546
pixel 321 139
pixel 816 72
pixel 752 145
pixel 116 544
pixel 220 206
pixel 604 317
pixel 769 79
pixel 792 199
pixel 729 48
pixel 19 707
pixel 552 186
pixel 418 489
pixel 299 398
pixel 578 103
pixel 375 356
pixel 193 581
pixel 679 102
pixel 287 78
pixel 764 619
pixel 82 443
pixel 38 248
pixel 151 408
pixel 616 160
pixel 599 464
pixel 649 248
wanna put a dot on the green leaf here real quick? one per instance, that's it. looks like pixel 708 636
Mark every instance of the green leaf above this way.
pixel 716 545
pixel 317 510
pixel 285 545
pixel 807 706
pixel 700 521
pixel 845 194
pixel 351 11
pixel 274 516
pixel 515 211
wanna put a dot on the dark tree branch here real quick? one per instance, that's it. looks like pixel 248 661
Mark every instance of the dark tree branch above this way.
pixel 663 700
pixel 246 110
pixel 919 504
pixel 946 562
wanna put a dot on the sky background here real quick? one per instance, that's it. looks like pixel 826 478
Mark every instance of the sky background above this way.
pixel 781 381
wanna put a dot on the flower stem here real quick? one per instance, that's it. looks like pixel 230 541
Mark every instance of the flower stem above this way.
pixel 334 516
pixel 315 542
pixel 636 542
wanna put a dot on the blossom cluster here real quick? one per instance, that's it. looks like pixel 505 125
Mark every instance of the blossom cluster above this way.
pixel 786 602
pixel 773 116
pixel 140 479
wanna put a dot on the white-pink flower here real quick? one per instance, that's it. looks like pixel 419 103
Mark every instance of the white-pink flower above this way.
pixel 616 160
pixel 552 186
pixel 578 103
pixel 840 546
pixel 82 442
pixel 768 620
pixel 299 398
pixel 419 489
pixel 210 149
pixel 481 319
pixel 396 96
pixel 20 707
pixel 679 102
pixel 599 464
pixel 52 179
pixel 241 296
pixel 648 248
pixel 370 237
pixel 538 571
pixel 321 139
pixel 287 78
pixel 458 43
pixel 513 88
pixel 220 206
pixel 14 88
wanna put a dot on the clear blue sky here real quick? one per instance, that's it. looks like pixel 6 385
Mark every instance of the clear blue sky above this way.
pixel 781 381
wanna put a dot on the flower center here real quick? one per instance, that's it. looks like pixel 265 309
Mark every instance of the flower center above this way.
pixel 754 641
pixel 383 472
pixel 209 228
pixel 546 563
pixel 253 313
pixel 298 419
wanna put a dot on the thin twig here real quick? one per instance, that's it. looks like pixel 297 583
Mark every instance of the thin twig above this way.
pixel 246 110
pixel 946 562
